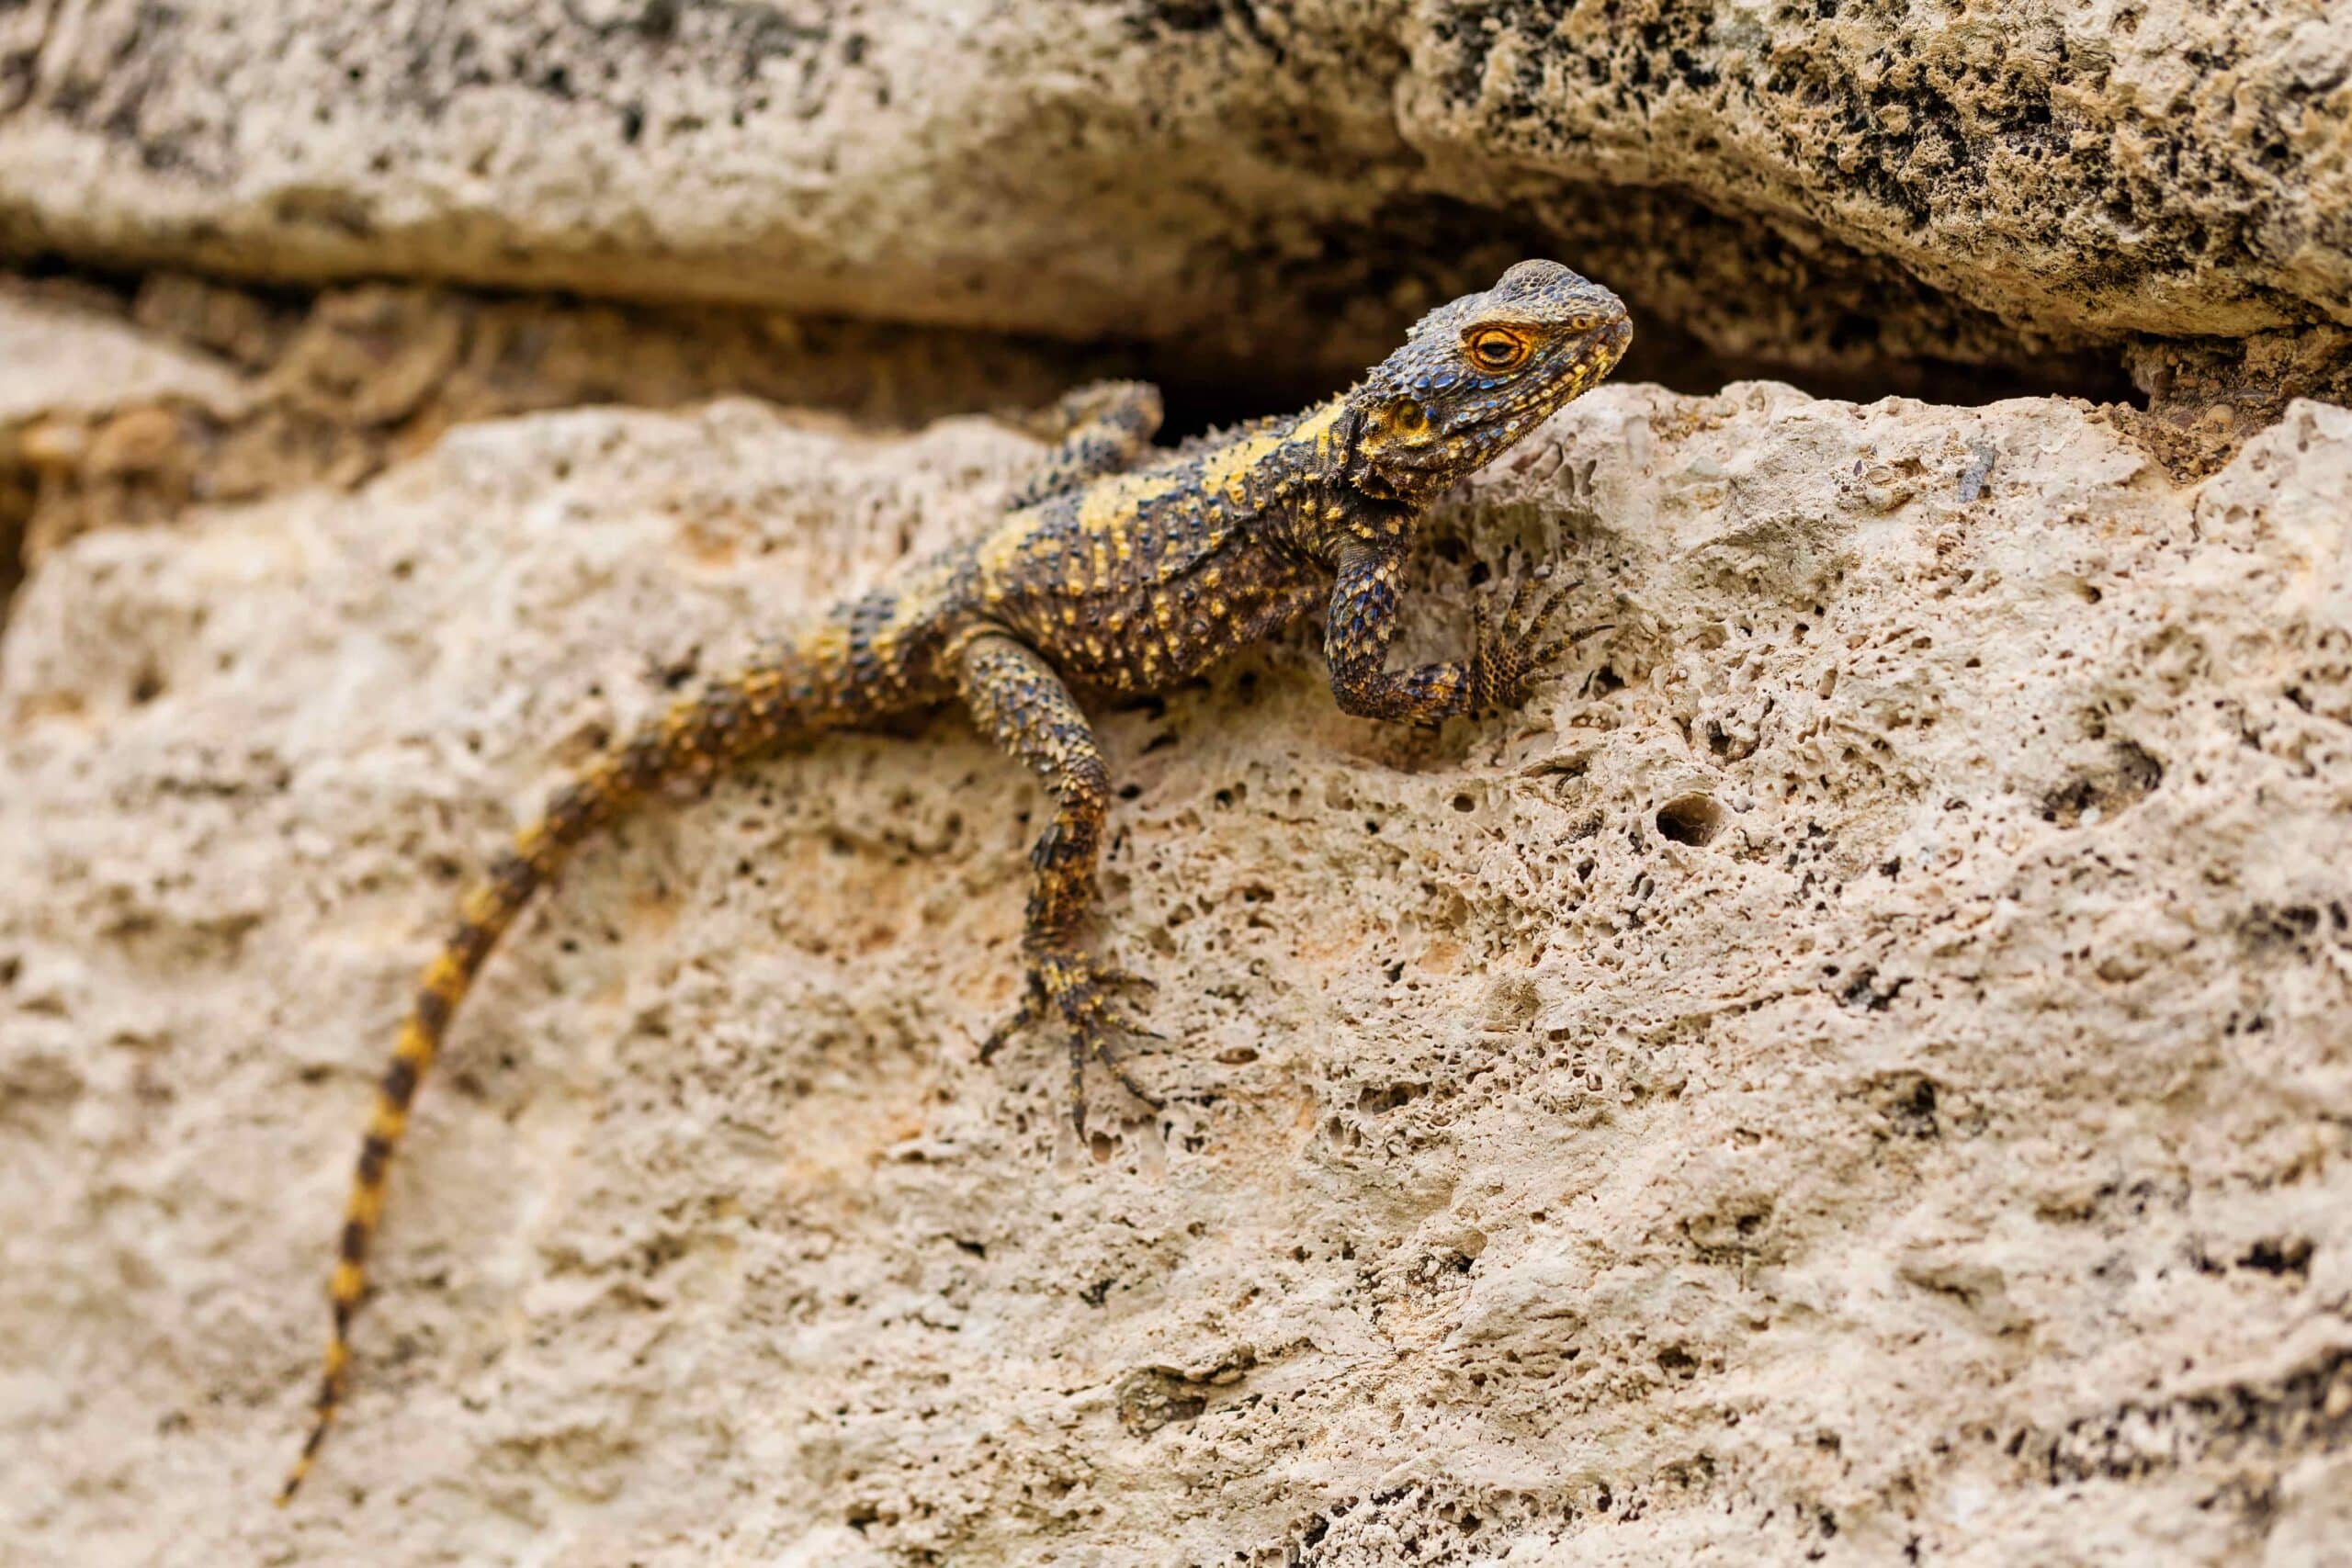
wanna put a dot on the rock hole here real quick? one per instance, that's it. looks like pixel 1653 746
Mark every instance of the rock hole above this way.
pixel 1380 1100
pixel 1689 819
pixel 2289 1256
pixel 2130 775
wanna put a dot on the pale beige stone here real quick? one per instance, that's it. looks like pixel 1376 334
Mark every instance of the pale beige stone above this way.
pixel 1864 1062
pixel 61 361
pixel 1841 184
pixel 126 411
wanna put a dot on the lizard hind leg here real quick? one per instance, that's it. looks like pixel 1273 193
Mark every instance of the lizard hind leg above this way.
pixel 1018 701
pixel 1100 429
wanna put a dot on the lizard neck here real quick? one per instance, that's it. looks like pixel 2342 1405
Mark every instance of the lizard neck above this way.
pixel 1316 505
pixel 1289 477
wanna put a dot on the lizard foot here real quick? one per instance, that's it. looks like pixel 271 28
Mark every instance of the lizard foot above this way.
pixel 1512 646
pixel 1078 989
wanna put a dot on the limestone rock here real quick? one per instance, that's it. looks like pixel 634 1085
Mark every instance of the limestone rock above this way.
pixel 116 411
pixel 1841 185
pixel 1862 1066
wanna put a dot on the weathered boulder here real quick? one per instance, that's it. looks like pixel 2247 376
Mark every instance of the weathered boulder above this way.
pixel 1860 1066
pixel 128 409
pixel 1852 185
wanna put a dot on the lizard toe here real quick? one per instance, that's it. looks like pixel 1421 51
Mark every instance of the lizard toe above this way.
pixel 1079 991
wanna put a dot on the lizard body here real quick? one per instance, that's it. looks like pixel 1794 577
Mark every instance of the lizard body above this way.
pixel 1104 576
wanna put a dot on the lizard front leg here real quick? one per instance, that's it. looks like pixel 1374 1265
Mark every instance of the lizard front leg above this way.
pixel 1017 699
pixel 1507 651
pixel 1099 429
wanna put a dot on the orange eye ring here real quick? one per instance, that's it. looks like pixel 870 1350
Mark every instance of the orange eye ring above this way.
pixel 1497 349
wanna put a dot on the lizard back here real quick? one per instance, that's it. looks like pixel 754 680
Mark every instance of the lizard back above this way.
pixel 1147 579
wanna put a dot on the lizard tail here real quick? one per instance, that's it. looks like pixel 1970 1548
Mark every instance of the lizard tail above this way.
pixel 749 714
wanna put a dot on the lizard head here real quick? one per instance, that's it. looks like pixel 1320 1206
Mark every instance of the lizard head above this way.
pixel 1476 375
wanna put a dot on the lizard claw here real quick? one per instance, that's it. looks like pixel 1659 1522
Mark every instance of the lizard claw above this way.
pixel 1078 989
pixel 1022 1017
pixel 1511 650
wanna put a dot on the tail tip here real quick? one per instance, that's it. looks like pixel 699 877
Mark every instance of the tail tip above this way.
pixel 301 1466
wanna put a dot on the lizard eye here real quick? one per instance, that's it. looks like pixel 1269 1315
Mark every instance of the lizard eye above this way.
pixel 1495 348
pixel 1410 418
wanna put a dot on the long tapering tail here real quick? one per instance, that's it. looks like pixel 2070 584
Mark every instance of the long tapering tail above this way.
pixel 753 712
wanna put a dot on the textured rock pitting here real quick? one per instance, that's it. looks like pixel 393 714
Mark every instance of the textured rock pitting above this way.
pixel 1857 1069
pixel 1837 188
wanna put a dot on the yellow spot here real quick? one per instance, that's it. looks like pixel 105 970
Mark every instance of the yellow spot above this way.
pixel 338 1357
pixel 366 1205
pixel 532 841
pixel 825 643
pixel 481 906
pixel 1316 427
pixel 344 1286
pixel 1227 471
pixel 446 978
pixel 389 1121
pixel 1113 505
pixel 415 1046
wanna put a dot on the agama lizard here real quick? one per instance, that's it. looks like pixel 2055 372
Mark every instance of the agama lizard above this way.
pixel 1102 576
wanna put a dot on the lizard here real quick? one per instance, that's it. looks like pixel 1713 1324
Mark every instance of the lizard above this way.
pixel 1117 569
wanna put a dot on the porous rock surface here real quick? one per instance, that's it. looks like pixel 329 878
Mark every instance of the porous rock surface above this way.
pixel 1840 183
pixel 1859 1070
pixel 126 409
